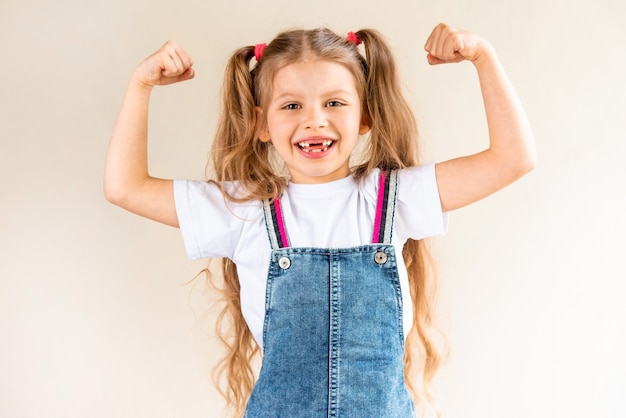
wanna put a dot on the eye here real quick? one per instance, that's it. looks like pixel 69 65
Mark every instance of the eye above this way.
pixel 291 106
pixel 334 103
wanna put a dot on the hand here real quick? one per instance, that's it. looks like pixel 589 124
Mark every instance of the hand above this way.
pixel 170 64
pixel 447 45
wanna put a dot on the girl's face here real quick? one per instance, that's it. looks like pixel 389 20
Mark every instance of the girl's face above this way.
pixel 313 119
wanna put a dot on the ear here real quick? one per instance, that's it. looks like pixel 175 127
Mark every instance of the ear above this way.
pixel 261 126
pixel 366 124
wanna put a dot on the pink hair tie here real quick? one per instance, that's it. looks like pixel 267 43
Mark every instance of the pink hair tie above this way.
pixel 353 38
pixel 258 50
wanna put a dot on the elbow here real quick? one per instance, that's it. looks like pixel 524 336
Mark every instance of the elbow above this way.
pixel 524 159
pixel 524 166
pixel 530 162
pixel 118 187
pixel 528 165
pixel 111 195
pixel 111 186
pixel 114 194
pixel 516 166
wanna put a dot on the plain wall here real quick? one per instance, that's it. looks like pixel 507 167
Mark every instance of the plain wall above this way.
pixel 96 318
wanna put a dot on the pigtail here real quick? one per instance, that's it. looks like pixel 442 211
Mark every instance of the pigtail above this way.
pixel 426 346
pixel 234 375
pixel 237 156
pixel 236 152
pixel 393 144
pixel 393 125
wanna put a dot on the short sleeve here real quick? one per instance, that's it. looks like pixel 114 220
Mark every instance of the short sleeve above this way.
pixel 209 227
pixel 418 209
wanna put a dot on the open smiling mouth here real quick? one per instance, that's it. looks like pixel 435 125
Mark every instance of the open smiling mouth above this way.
pixel 315 146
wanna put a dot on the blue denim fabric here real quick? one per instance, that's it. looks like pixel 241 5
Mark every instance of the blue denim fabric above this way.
pixel 333 338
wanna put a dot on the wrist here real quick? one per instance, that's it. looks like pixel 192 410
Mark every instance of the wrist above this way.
pixel 486 55
pixel 138 82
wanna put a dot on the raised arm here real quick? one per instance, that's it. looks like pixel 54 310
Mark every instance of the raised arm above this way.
pixel 127 182
pixel 511 152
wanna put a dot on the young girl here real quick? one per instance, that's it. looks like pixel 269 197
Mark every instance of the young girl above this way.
pixel 324 263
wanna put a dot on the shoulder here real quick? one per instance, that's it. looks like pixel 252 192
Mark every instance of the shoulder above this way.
pixel 226 195
pixel 422 176
pixel 418 179
pixel 214 202
pixel 212 224
pixel 418 208
pixel 211 188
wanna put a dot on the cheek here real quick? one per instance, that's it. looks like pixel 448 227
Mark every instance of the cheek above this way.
pixel 283 127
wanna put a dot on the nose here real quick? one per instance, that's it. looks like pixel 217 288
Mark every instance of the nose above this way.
pixel 315 119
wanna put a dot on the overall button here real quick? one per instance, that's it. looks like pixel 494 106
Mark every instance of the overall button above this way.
pixel 380 257
pixel 284 262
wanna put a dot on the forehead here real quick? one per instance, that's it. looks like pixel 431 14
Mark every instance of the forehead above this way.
pixel 313 76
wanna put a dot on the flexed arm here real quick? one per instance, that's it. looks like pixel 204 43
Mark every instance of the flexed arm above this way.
pixel 511 152
pixel 127 182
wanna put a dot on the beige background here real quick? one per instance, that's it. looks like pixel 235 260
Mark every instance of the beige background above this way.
pixel 95 317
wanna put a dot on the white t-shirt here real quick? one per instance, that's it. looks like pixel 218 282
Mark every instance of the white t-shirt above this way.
pixel 338 214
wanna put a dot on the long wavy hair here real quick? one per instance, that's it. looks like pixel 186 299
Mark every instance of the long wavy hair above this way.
pixel 238 155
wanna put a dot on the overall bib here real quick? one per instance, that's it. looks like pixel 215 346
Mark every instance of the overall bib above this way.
pixel 333 343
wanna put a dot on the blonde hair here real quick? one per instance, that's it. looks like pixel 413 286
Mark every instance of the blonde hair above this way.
pixel 238 155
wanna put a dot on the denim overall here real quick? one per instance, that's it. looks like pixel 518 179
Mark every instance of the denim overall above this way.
pixel 333 338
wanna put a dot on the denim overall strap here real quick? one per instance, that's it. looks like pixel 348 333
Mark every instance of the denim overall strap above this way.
pixel 385 207
pixel 275 224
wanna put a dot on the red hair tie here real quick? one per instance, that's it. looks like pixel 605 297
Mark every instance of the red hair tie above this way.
pixel 353 38
pixel 258 50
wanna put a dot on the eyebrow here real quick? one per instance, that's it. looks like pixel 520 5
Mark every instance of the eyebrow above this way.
pixel 337 92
